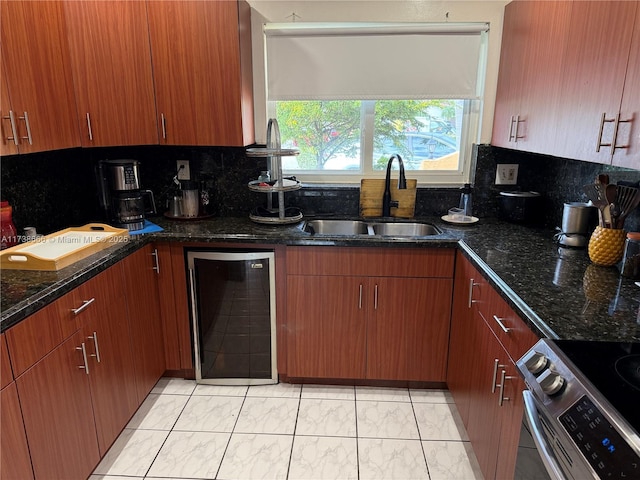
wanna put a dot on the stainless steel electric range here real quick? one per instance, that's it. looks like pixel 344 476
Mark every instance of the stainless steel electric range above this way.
pixel 582 410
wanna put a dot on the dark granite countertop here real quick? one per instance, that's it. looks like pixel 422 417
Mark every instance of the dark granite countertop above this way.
pixel 558 292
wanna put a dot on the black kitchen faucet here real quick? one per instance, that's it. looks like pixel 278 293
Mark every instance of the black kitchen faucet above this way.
pixel 402 185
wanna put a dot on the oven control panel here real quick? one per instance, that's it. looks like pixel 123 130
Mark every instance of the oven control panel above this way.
pixel 604 448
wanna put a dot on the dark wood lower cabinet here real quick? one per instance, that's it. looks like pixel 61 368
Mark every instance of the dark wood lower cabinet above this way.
pixel 15 463
pixel 376 324
pixel 58 416
pixel 479 353
pixel 145 322
pixel 105 328
pixel 327 326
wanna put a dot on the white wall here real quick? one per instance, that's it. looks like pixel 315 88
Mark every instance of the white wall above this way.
pixel 378 11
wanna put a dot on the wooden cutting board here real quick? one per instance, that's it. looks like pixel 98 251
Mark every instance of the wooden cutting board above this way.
pixel 61 249
pixel 371 191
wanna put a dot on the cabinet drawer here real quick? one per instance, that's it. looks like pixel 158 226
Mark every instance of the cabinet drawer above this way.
pixel 37 335
pixel 6 375
pixel 374 261
pixel 513 333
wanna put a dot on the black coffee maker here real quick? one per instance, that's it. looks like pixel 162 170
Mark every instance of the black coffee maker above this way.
pixel 120 195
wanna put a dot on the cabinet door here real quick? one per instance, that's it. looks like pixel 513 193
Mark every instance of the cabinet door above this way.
pixel 7 145
pixel 146 323
pixel 200 88
pixel 326 318
pixel 484 419
pixel 509 90
pixel 533 39
pixel 629 132
pixel 58 417
pixel 592 81
pixel 15 462
pixel 408 328
pixel 36 58
pixel 541 61
pixel 468 286
pixel 105 327
pixel 511 422
pixel 111 61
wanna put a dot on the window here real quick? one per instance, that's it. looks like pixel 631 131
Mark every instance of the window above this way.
pixel 349 97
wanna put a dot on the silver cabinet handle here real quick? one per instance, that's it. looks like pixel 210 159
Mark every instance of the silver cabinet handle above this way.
pixel 603 120
pixel 375 298
pixel 503 378
pixel 496 366
pixel 163 123
pixel 510 138
pixel 517 123
pixel 502 326
pixel 14 131
pixel 85 367
pixel 28 125
pixel 94 337
pixel 472 284
pixel 539 438
pixel 89 127
pixel 156 261
pixel 616 125
pixel 85 304
pixel 360 298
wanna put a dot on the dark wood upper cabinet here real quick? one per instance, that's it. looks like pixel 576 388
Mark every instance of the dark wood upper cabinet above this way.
pixel 39 84
pixel 202 70
pixel 568 81
pixel 593 78
pixel 111 62
pixel 629 129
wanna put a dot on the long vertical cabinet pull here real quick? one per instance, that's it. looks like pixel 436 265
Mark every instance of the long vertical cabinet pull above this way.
pixel 616 125
pixel 28 138
pixel 472 284
pixel 599 143
pixel 14 131
pixel 510 137
pixel 156 261
pixel 496 366
pixel 94 337
pixel 84 367
pixel 89 127
pixel 503 378
pixel 163 123
pixel 375 297
pixel 360 298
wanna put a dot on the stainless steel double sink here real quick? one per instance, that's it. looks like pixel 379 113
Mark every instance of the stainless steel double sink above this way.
pixel 376 227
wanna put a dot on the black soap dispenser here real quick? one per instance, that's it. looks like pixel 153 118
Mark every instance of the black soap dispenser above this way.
pixel 466 200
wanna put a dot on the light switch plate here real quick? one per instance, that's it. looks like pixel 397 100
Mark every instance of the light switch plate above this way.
pixel 184 173
pixel 507 174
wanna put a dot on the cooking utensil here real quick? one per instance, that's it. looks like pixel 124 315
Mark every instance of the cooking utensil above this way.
pixel 627 199
pixel 596 192
pixel 602 179
pixel 613 210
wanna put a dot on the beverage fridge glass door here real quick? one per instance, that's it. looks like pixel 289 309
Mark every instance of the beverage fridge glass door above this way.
pixel 233 314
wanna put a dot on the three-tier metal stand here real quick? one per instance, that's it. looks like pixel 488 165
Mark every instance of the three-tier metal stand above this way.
pixel 278 215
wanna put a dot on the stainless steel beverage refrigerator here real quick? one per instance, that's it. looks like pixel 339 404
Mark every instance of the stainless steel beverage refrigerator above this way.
pixel 233 315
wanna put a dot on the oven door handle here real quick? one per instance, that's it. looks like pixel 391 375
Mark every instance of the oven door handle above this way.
pixel 540 439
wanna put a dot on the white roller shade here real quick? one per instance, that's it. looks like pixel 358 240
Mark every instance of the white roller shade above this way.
pixel 311 61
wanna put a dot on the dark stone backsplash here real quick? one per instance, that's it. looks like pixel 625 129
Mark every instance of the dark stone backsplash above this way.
pixel 54 190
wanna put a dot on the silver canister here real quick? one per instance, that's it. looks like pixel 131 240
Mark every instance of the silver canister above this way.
pixel 578 221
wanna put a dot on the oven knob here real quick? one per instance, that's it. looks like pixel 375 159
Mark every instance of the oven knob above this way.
pixel 536 362
pixel 551 383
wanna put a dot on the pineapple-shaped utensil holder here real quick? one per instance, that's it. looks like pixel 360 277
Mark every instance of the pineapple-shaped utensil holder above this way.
pixel 606 246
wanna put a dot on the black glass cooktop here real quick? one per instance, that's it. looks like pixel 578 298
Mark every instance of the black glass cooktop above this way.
pixel 614 369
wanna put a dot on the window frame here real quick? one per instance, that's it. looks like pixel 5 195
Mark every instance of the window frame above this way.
pixel 470 132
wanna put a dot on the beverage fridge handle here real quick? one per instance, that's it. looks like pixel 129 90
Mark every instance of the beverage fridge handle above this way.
pixel 539 438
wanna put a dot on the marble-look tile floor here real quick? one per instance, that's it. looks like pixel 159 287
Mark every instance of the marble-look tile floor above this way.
pixel 285 431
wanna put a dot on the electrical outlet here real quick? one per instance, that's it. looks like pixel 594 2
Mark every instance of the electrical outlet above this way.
pixel 184 173
pixel 507 174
